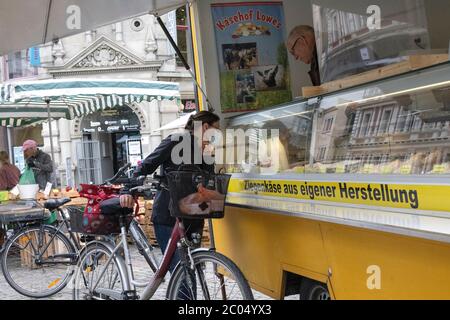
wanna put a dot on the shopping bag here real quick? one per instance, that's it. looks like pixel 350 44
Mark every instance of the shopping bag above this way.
pixel 27 176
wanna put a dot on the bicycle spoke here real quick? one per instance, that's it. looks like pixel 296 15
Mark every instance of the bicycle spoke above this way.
pixel 97 274
pixel 204 286
pixel 34 253
pixel 218 279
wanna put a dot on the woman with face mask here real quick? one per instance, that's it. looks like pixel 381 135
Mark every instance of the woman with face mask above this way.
pixel 196 128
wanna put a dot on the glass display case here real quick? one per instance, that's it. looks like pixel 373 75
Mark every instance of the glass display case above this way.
pixel 396 126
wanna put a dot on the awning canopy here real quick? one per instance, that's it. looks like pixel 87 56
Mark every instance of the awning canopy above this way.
pixel 178 123
pixel 26 23
pixel 25 103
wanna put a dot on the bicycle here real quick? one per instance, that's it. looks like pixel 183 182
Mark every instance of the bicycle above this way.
pixel 105 272
pixel 37 259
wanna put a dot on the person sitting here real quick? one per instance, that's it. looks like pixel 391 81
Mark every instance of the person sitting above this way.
pixel 9 173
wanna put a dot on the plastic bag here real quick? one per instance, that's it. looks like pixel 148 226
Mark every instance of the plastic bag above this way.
pixel 27 176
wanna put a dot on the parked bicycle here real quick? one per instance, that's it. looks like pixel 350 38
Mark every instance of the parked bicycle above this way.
pixel 38 258
pixel 105 271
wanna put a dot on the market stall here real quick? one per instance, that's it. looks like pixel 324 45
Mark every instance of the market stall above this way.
pixel 350 191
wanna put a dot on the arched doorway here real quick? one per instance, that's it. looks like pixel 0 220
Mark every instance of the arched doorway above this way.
pixel 111 138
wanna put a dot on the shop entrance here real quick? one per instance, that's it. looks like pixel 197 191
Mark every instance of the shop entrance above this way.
pixel 117 133
pixel 124 144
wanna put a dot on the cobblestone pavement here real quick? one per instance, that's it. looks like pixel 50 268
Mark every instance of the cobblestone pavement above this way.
pixel 141 271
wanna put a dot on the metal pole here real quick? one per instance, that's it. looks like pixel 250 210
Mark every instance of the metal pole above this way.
pixel 183 60
pixel 47 100
pixel 190 48
pixel 10 143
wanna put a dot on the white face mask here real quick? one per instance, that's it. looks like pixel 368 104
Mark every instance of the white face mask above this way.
pixel 212 135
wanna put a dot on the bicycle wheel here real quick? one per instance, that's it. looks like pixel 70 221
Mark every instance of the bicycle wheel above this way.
pixel 97 276
pixel 216 278
pixel 37 261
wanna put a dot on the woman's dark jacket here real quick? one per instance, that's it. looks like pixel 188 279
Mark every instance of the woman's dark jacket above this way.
pixel 162 157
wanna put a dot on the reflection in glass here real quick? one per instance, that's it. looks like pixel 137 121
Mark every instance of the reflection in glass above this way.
pixel 401 134
pixel 391 127
pixel 352 39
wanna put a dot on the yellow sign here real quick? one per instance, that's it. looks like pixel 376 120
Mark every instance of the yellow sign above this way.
pixel 420 197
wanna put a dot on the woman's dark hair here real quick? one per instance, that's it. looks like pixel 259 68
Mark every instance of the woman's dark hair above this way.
pixel 203 116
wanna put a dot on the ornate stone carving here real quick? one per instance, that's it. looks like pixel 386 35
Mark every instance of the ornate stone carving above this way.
pixel 105 56
pixel 58 53
pixel 150 44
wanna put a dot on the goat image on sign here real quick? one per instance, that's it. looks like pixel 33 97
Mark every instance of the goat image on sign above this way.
pixel 269 77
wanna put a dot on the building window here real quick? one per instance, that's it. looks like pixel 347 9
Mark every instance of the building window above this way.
pixel 385 121
pixel 182 32
pixel 328 125
pixel 137 24
pixel 365 124
pixel 321 155
pixel 18 65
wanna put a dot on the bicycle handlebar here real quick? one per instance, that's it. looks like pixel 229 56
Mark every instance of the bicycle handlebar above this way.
pixel 118 174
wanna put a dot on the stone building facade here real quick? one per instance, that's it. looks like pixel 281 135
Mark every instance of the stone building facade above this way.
pixel 133 49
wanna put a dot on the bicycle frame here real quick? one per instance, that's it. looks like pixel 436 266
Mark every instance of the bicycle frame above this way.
pixel 50 259
pixel 178 233
pixel 130 284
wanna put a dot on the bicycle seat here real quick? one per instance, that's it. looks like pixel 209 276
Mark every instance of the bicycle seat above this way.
pixel 53 204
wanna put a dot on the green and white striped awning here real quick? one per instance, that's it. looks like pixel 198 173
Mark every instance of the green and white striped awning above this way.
pixel 24 103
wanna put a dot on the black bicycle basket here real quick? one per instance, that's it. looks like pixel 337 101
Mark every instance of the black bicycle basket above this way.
pixel 99 218
pixel 197 194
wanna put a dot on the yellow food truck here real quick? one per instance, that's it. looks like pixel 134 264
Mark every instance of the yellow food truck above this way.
pixel 358 203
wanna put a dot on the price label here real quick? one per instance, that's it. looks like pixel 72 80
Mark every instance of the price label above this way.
pixel 340 169
pixel 386 170
pixel 439 168
pixel 299 169
pixel 368 168
pixel 406 169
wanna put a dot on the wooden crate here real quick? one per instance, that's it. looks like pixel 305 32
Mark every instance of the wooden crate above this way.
pixel 205 237
pixel 414 62
pixel 26 255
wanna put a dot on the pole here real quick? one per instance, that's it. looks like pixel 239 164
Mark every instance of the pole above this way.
pixel 191 54
pixel 47 100
pixel 183 60
pixel 10 143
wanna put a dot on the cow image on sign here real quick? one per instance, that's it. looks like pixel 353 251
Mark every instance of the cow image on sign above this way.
pixel 269 77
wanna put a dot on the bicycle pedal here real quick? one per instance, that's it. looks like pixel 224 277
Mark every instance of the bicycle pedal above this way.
pixel 86 238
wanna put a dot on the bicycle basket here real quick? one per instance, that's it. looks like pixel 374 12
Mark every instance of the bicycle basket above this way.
pixel 93 221
pixel 76 218
pixel 197 194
